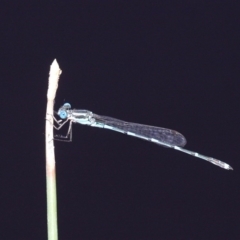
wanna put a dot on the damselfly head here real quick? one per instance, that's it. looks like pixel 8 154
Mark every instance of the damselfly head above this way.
pixel 62 112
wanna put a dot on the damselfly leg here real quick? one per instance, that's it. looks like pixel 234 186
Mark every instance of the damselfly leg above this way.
pixel 61 123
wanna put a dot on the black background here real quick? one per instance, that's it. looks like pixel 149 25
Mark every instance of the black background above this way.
pixel 168 64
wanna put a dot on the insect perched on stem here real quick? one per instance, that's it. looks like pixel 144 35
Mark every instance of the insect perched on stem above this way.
pixel 161 136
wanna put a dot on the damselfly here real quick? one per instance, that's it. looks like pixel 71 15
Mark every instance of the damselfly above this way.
pixel 161 136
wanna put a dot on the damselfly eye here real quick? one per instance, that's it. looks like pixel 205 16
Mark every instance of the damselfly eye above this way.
pixel 66 105
pixel 62 114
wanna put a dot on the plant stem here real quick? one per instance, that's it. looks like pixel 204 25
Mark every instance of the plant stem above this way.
pixel 54 74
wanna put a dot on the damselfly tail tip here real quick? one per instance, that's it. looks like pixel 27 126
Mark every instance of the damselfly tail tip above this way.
pixel 226 166
pixel 220 163
pixel 230 168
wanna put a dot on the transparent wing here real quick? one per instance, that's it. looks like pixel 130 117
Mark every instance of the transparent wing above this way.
pixel 163 135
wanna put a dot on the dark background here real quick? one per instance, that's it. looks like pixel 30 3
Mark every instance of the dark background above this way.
pixel 168 64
